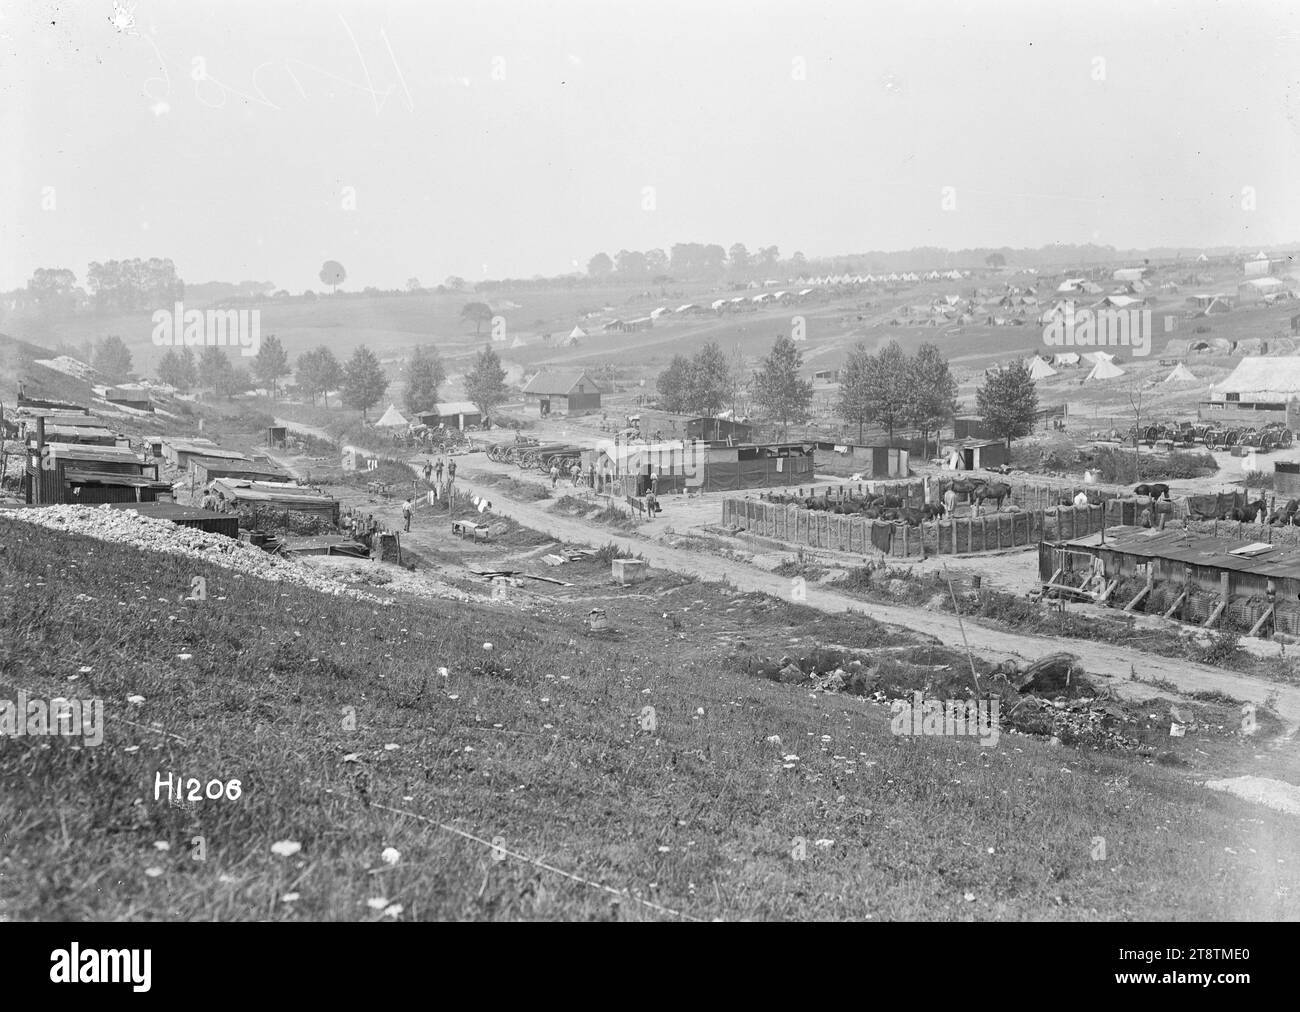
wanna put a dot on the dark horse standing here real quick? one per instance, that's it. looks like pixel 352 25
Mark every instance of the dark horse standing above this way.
pixel 995 490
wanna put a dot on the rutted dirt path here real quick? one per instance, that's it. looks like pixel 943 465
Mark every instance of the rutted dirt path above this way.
pixel 1115 662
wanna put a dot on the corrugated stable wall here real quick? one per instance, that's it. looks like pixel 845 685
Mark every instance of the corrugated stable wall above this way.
pixel 1247 592
pixel 857 534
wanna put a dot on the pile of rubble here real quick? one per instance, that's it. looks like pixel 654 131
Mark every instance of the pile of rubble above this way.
pixel 1050 698
pixel 151 534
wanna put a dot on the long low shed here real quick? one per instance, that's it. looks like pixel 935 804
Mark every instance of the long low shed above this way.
pixel 77 473
pixel 1193 577
pixel 207 469
pixel 276 496
pixel 185 516
pixel 180 452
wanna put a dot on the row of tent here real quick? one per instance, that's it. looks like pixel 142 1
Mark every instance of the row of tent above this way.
pixel 1103 367
pixel 871 279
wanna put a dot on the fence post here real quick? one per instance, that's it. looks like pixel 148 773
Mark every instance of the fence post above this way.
pixel 905 551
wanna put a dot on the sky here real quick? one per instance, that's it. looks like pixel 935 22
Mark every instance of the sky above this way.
pixel 422 138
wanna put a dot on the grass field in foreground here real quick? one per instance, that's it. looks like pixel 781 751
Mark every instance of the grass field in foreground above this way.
pixel 537 744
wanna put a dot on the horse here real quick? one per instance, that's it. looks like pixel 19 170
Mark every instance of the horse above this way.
pixel 1152 491
pixel 995 490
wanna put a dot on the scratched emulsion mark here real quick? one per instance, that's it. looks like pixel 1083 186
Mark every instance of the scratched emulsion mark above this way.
pixel 123 19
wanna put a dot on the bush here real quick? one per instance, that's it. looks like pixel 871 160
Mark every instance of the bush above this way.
pixel 1118 467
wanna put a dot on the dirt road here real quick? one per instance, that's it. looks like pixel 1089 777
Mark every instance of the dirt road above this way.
pixel 1115 662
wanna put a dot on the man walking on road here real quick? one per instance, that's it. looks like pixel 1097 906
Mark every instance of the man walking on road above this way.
pixel 406 513
pixel 555 474
pixel 437 469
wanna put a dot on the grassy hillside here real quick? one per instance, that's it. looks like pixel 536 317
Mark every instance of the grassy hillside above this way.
pixel 537 745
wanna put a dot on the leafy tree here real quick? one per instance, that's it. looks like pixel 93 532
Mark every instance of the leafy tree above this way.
pixel 769 255
pixel 1008 402
pixel 739 255
pixel 784 396
pixel 270 363
pixel 170 368
pixel 479 312
pixel 888 387
pixel 854 403
pixel 995 260
pixel 630 263
pixel 424 374
pixel 113 359
pixel 188 373
pixel 656 261
pixel 233 380
pixel 53 289
pixel 600 266
pixel 485 384
pixel 456 284
pixel 708 381
pixel 319 372
pixel 932 397
pixel 333 274
pixel 673 385
pixel 133 284
pixel 364 381
pixel 214 369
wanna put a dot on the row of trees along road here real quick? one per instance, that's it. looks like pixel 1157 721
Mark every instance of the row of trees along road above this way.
pixel 361 381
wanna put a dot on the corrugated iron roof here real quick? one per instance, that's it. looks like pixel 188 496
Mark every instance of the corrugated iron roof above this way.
pixel 112 478
pixel 1196 550
pixel 560 383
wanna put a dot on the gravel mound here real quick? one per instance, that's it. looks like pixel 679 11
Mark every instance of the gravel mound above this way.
pixel 127 527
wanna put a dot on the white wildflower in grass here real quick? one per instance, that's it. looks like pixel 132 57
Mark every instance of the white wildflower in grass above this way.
pixel 153 872
pixel 391 747
pixel 394 911
pixel 286 848
pixel 161 845
pixel 85 669
pixel 137 700
pixel 487 646
pixel 391 855
pixel 289 898
pixel 183 657
pixel 443 673
pixel 969 897
pixel 377 903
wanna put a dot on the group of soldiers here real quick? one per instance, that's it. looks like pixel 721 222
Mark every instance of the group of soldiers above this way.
pixel 433 473
pixel 360 528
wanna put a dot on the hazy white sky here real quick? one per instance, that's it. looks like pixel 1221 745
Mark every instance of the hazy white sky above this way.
pixel 513 138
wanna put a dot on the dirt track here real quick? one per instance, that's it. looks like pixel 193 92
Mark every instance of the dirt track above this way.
pixel 1115 662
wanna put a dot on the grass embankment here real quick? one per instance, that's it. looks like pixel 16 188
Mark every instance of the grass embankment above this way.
pixel 997 608
pixel 542 744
